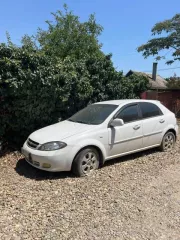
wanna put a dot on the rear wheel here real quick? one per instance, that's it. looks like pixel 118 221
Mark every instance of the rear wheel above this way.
pixel 168 142
pixel 85 162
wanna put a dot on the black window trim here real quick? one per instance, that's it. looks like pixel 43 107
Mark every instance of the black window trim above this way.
pixel 160 112
pixel 139 112
pixel 122 108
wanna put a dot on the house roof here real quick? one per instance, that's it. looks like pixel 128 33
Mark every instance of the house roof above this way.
pixel 159 83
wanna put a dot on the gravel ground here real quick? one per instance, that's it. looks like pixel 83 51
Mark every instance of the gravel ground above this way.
pixel 135 197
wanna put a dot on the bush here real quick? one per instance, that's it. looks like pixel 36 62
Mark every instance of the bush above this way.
pixel 56 74
pixel 36 90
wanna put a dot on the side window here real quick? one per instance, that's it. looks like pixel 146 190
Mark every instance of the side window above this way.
pixel 149 110
pixel 129 114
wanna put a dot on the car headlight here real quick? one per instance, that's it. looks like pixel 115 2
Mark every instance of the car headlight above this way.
pixel 51 146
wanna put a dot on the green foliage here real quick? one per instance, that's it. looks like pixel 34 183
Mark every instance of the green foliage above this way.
pixel 173 82
pixel 67 36
pixel 171 29
pixel 40 85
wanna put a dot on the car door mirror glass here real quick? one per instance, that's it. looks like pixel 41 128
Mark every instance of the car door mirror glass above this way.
pixel 117 122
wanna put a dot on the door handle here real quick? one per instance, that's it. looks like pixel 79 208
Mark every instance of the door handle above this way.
pixel 162 121
pixel 136 127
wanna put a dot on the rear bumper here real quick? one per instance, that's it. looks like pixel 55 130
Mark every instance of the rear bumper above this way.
pixel 58 160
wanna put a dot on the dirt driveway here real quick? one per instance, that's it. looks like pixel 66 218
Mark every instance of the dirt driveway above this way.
pixel 135 197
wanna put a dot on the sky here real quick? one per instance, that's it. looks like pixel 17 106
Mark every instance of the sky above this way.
pixel 127 24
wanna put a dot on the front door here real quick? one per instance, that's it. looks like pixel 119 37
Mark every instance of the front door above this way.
pixel 128 137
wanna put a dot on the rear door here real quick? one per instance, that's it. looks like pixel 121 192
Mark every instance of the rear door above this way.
pixel 153 124
pixel 128 137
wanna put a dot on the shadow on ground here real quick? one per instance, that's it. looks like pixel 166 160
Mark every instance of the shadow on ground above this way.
pixel 131 157
pixel 26 170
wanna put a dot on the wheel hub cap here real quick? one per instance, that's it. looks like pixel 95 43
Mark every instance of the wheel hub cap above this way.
pixel 89 162
pixel 168 142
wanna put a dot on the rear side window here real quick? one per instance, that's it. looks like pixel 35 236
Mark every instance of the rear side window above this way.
pixel 149 110
pixel 129 114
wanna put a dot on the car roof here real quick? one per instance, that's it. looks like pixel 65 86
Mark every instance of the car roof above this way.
pixel 119 102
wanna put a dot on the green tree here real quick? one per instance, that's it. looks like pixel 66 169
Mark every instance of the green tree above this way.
pixel 170 39
pixel 29 42
pixel 173 82
pixel 67 36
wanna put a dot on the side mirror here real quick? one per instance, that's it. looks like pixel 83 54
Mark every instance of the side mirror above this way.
pixel 117 122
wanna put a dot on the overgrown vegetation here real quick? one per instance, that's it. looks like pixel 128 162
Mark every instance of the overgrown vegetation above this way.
pixel 173 82
pixel 55 74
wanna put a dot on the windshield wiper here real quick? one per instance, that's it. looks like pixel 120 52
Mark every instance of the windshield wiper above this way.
pixel 76 121
pixel 69 119
pixel 81 122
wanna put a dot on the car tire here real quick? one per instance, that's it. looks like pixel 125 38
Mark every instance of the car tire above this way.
pixel 85 162
pixel 168 142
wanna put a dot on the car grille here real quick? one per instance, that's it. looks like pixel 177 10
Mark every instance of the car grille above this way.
pixel 32 144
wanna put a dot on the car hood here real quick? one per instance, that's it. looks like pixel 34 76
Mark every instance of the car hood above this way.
pixel 59 131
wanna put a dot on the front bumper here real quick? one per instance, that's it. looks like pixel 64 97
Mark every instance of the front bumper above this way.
pixel 57 161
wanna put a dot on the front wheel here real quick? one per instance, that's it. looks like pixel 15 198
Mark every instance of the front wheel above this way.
pixel 85 162
pixel 168 142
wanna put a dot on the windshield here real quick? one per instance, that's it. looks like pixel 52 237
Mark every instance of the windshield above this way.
pixel 93 114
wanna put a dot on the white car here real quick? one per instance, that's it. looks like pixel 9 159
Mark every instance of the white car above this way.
pixel 100 132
